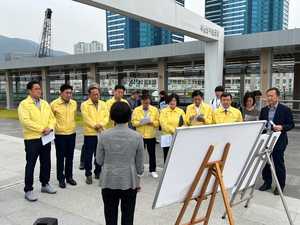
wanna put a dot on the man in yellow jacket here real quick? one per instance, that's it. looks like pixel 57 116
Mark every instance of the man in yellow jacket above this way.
pixel 170 118
pixel 145 119
pixel 226 113
pixel 37 119
pixel 198 113
pixel 64 109
pixel 95 118
pixel 118 96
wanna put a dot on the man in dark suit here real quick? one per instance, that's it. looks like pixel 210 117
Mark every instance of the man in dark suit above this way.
pixel 279 118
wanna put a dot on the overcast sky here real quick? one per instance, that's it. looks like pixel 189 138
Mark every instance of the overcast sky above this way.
pixel 73 22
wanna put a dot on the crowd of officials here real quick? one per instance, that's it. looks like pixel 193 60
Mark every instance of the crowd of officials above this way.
pixel 117 131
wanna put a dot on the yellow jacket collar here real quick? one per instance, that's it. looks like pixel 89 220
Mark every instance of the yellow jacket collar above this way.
pixel 90 102
pixel 30 99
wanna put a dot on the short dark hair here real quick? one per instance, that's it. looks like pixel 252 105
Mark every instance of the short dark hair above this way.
pixel 197 93
pixel 257 93
pixel 170 98
pixel 65 87
pixel 92 87
pixel 136 92
pixel 274 89
pixel 30 84
pixel 226 94
pixel 145 92
pixel 120 112
pixel 162 93
pixel 219 88
pixel 248 95
pixel 119 86
pixel 145 97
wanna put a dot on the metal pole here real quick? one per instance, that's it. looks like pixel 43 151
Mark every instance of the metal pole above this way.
pixel 279 189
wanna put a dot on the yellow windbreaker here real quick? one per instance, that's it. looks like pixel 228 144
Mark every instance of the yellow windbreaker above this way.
pixel 169 119
pixel 35 119
pixel 65 114
pixel 92 116
pixel 147 131
pixel 205 109
pixel 232 115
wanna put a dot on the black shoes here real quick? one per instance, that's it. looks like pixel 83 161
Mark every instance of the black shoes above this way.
pixel 89 180
pixel 276 192
pixel 71 182
pixel 81 166
pixel 265 187
pixel 97 176
pixel 62 184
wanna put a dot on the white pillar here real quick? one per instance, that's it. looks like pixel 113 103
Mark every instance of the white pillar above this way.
pixel 214 61
pixel 45 85
pixel 9 91
pixel 162 76
pixel 266 58
pixel 92 75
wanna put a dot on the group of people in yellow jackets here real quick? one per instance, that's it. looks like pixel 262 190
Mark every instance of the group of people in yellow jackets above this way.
pixel 39 119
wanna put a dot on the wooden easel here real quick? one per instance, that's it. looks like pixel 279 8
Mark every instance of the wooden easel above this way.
pixel 215 168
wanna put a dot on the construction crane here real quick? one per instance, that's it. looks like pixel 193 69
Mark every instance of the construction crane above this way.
pixel 45 45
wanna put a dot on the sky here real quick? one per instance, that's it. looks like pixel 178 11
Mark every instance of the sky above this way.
pixel 73 22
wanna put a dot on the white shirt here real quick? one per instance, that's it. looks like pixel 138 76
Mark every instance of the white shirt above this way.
pixel 215 103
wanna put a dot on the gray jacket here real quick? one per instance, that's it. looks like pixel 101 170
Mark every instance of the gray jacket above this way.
pixel 120 152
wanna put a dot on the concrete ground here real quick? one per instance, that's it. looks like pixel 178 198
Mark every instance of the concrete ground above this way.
pixel 82 205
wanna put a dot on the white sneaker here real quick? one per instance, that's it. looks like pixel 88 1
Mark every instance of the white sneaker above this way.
pixel 154 175
pixel 30 196
pixel 48 189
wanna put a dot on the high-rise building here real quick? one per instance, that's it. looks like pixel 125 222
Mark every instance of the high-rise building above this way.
pixel 84 48
pixel 124 32
pixel 248 16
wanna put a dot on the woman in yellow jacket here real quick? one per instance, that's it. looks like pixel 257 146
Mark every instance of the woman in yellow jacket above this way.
pixel 171 118
pixel 198 113
pixel 145 119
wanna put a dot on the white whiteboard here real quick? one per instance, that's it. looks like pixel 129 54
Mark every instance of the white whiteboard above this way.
pixel 187 152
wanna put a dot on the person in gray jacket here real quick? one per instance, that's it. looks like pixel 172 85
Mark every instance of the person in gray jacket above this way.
pixel 120 153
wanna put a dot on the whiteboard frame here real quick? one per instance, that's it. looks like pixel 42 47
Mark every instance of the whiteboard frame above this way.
pixel 197 127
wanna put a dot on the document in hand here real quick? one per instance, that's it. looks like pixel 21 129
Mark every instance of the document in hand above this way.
pixel 145 120
pixel 166 140
pixel 48 138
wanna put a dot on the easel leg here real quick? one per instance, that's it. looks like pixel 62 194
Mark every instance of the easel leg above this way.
pixel 194 185
pixel 224 194
pixel 279 189
pixel 251 194
pixel 211 202
pixel 215 187
pixel 201 198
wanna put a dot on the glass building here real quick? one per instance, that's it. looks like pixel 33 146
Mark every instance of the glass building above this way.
pixel 124 32
pixel 248 16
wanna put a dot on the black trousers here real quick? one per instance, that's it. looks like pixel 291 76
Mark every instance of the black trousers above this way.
pixel 82 154
pixel 65 145
pixel 90 147
pixel 111 199
pixel 150 144
pixel 278 159
pixel 34 150
pixel 166 151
